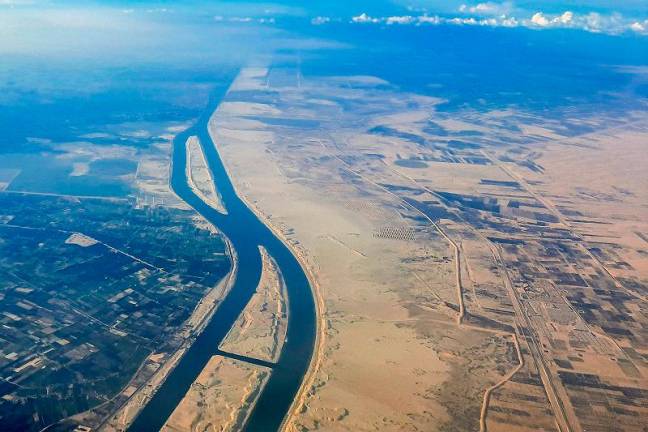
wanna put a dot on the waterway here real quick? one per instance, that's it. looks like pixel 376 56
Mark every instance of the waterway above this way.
pixel 246 233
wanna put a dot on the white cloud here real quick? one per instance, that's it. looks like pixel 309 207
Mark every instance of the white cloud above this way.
pixel 488 8
pixel 158 10
pixel 320 20
pixel 434 20
pixel 400 19
pixel 235 19
pixel 484 7
pixel 591 22
pixel 639 27
pixel 566 17
pixel 12 3
pixel 508 22
pixel 539 19
pixel 462 21
pixel 364 18
pixel 564 20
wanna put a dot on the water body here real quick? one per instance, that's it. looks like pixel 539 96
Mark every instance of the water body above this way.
pixel 246 233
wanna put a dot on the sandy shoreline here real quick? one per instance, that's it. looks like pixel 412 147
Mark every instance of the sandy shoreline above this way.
pixel 316 359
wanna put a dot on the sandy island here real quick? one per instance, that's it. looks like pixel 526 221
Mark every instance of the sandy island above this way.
pixel 260 330
pixel 220 399
pixel 199 176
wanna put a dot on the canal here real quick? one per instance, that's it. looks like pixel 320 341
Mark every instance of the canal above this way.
pixel 246 233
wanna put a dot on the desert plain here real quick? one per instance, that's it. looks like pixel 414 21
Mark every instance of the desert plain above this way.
pixel 472 270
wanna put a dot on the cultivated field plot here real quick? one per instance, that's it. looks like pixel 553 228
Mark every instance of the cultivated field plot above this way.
pixel 89 290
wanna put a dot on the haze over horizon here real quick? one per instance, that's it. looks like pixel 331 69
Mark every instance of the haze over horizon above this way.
pixel 278 215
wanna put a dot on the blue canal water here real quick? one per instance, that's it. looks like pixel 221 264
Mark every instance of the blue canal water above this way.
pixel 246 233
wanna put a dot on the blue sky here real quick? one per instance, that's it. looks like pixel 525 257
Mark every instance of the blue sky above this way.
pixel 44 26
pixel 508 52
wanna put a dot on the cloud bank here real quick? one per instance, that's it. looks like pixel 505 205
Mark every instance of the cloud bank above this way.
pixel 505 14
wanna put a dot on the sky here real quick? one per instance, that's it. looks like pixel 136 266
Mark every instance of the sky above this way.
pixel 67 58
pixel 139 30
